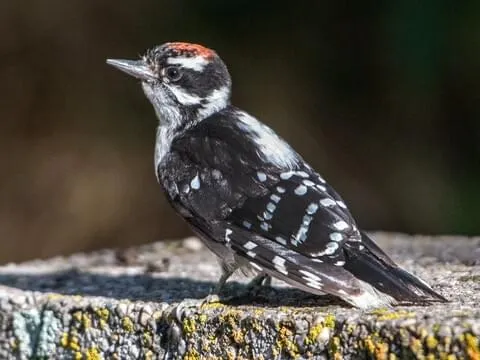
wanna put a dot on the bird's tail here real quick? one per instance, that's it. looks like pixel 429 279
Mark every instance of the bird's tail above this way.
pixel 373 266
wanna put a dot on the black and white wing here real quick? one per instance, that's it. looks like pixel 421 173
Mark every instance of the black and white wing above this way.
pixel 256 196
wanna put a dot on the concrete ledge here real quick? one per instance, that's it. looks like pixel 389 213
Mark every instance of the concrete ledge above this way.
pixel 130 304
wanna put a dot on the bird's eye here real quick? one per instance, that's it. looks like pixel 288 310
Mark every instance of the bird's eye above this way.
pixel 173 73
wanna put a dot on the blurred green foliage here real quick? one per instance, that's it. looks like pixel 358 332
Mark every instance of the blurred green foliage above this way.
pixel 383 98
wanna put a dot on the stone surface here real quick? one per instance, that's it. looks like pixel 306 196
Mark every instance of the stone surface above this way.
pixel 133 303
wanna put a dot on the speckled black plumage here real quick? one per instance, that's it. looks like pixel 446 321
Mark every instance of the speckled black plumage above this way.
pixel 251 198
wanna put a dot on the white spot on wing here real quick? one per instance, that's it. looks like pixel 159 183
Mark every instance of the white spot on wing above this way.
pixel 264 226
pixel 279 264
pixel 327 202
pixel 302 174
pixel 309 275
pixel 261 176
pixel 286 175
pixel 321 187
pixel 267 215
pixel 314 284
pixel 308 182
pixel 280 189
pixel 335 236
pixel 300 190
pixel 341 225
pixel 329 250
pixel 271 207
pixel 281 240
pixel 247 224
pixel 342 204
pixel 312 208
pixel 251 254
pixel 321 179
pixel 195 183
pixel 255 266
pixel 228 232
pixel 249 245
pixel 275 198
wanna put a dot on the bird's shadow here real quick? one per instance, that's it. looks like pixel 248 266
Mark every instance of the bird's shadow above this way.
pixel 144 287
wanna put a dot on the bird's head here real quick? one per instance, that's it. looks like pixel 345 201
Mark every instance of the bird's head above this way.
pixel 184 82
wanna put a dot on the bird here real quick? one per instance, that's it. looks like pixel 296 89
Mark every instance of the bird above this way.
pixel 250 197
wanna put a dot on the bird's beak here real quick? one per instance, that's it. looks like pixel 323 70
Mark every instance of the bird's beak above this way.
pixel 136 68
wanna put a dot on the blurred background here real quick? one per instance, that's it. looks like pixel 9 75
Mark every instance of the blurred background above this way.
pixel 383 99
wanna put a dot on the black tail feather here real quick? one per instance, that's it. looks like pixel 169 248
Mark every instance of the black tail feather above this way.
pixel 373 266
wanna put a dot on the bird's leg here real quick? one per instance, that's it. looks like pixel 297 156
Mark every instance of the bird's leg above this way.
pixel 254 286
pixel 227 271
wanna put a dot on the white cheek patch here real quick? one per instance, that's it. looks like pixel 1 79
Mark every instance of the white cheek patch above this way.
pixel 196 63
pixel 184 97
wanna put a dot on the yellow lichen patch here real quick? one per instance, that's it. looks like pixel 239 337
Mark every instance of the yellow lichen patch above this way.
pixel 86 321
pixel 316 330
pixel 149 355
pixel 394 315
pixel 14 344
pixel 376 347
pixel 330 321
pixel 335 348
pixel 313 333
pixel 192 354
pixel 202 319
pixel 78 355
pixel 238 336
pixel 77 315
pixel 189 326
pixel 147 339
pixel 285 342
pixel 127 324
pixel 212 305
pixel 73 343
pixel 64 340
pixel 473 349
pixel 231 317
pixel 431 342
pixel 102 313
pixel 417 347
pixel 93 354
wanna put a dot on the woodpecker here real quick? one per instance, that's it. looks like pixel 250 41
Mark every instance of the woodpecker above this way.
pixel 249 195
